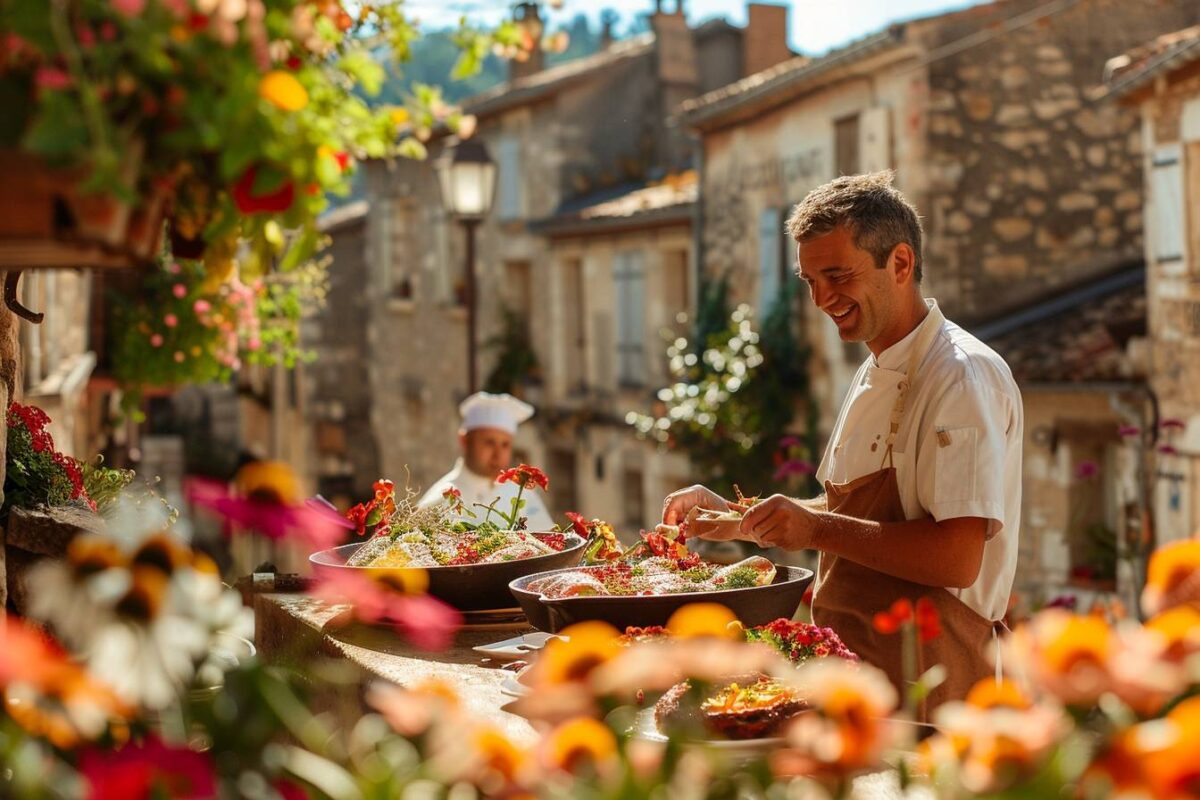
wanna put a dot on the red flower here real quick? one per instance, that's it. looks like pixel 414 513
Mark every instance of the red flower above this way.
pixel 526 476
pixel 452 494
pixel 358 516
pixel 885 623
pixel 578 524
pixel 902 610
pixel 271 202
pixel 928 623
pixel 148 769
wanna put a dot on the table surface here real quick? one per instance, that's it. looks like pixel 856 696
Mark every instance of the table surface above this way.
pixel 292 623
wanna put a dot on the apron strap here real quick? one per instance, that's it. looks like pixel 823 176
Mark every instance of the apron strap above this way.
pixel 920 348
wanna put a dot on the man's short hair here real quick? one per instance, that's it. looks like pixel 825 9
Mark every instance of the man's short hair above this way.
pixel 876 213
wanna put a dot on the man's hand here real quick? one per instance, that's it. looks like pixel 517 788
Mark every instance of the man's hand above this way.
pixel 677 504
pixel 780 521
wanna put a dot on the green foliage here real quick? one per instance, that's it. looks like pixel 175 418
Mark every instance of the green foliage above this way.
pixel 104 484
pixel 516 360
pixel 734 398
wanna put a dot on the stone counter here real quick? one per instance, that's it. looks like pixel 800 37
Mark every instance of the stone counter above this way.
pixel 287 625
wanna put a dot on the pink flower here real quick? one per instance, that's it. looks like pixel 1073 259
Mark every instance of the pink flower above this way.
pixel 174 268
pixel 1172 424
pixel 202 306
pixel 254 344
pixel 156 340
pixel 86 37
pixel 1168 450
pixel 170 320
pixel 148 769
pixel 179 357
pixel 51 78
pixel 1127 431
pixel 274 519
pixel 428 622
pixel 796 466
pixel 179 290
pixel 108 31
pixel 790 441
pixel 128 8
pixel 1086 470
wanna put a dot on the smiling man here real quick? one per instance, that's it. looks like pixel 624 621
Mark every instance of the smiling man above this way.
pixel 922 472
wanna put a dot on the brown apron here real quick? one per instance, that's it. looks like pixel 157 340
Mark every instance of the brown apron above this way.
pixel 847 595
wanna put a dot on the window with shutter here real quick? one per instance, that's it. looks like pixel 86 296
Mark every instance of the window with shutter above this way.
pixel 770 258
pixel 629 281
pixel 846 145
pixel 508 194
pixel 1167 226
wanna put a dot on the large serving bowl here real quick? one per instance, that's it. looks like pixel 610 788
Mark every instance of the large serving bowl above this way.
pixel 473 587
pixel 756 605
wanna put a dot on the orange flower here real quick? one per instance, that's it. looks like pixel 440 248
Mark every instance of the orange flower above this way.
pixel 990 693
pixel 411 712
pixel 1161 755
pixel 1180 631
pixel 499 761
pixel 847 727
pixel 282 90
pixel 1065 654
pixel 526 476
pixel 1173 577
pixel 581 744
pixel 704 619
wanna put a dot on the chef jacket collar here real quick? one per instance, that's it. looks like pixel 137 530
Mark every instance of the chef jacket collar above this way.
pixel 895 358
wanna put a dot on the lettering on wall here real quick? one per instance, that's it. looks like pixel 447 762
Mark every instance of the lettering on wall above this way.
pixel 807 168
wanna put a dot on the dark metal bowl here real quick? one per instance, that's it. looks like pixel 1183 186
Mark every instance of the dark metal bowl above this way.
pixel 756 605
pixel 474 587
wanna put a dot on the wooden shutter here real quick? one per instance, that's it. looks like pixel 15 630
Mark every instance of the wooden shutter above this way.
pixel 770 258
pixel 508 195
pixel 1167 221
pixel 630 282
pixel 875 139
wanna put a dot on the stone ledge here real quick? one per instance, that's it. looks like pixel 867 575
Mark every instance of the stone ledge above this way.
pixel 49 531
pixel 32 535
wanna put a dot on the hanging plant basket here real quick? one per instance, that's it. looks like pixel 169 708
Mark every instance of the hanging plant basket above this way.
pixel 47 221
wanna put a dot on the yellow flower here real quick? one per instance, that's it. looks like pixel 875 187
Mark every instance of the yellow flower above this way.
pixel 571 659
pixel 281 89
pixel 1171 751
pixel 1066 655
pixel 580 744
pixel 1172 577
pixel 399 117
pixel 412 580
pixel 704 619
pixel 269 481
pixel 1077 640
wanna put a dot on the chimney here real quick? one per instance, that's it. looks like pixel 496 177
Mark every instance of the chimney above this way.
pixel 764 43
pixel 528 17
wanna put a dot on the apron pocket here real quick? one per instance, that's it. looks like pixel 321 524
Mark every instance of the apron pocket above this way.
pixel 954 479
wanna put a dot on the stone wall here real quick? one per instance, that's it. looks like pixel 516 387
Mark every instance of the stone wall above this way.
pixel 1034 183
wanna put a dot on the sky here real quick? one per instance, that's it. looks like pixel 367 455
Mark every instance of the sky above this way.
pixel 816 25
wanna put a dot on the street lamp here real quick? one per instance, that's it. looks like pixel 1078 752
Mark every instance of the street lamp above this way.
pixel 467 176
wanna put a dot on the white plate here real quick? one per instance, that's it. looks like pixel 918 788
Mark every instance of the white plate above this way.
pixel 512 686
pixel 516 648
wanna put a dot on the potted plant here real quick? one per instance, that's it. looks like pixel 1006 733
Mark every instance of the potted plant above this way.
pixel 234 118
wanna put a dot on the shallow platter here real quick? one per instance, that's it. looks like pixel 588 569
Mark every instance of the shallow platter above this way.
pixel 472 587
pixel 755 605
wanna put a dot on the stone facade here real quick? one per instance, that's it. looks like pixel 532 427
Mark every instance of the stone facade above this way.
pixel 1168 99
pixel 563 138
pixel 1032 176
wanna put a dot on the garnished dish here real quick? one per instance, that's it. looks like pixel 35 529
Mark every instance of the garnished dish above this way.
pixel 751 709
pixel 748 706
pixel 660 564
pixel 447 534
pixel 708 519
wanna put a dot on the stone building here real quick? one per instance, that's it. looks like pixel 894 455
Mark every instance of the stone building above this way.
pixel 592 213
pixel 1161 79
pixel 1028 180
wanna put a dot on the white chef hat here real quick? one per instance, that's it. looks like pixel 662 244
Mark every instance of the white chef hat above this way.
pixel 502 411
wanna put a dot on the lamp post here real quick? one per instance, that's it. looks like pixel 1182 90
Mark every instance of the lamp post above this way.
pixel 467 176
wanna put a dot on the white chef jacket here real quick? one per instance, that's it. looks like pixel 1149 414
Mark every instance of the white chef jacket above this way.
pixel 958 450
pixel 478 489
